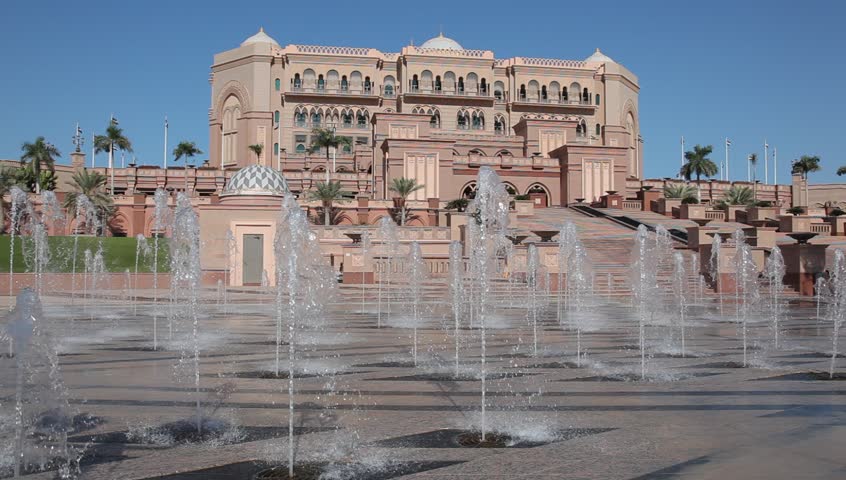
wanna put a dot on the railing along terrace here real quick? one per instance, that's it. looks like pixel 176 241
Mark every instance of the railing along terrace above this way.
pixel 632 205
pixel 824 228
pixel 553 100
pixel 715 214
pixel 435 266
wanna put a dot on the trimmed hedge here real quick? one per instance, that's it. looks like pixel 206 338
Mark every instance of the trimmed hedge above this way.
pixel 118 254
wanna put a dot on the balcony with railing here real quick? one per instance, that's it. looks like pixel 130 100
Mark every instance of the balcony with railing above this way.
pixel 447 88
pixel 307 87
pixel 578 101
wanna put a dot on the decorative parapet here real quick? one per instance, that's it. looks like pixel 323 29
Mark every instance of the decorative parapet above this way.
pixel 442 52
pixel 333 50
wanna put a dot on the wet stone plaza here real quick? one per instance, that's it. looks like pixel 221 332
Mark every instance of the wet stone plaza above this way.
pixel 363 410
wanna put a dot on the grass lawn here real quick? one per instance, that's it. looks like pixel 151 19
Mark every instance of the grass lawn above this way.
pixel 118 254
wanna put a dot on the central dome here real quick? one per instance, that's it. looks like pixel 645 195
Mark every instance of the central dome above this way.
pixel 442 43
pixel 256 180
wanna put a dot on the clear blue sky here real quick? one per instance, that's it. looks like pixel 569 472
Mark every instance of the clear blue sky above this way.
pixel 707 69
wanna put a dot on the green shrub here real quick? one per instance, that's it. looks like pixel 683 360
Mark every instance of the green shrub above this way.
pixel 689 200
pixel 796 210
pixel 459 204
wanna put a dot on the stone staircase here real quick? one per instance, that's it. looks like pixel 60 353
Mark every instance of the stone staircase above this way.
pixel 609 246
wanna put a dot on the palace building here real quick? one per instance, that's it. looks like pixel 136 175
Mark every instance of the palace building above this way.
pixel 557 130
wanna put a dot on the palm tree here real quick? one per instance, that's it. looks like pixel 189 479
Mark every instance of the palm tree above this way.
pixel 698 164
pixel 841 171
pixel 327 194
pixel 9 177
pixel 185 149
pixel 90 184
pixel 325 138
pixel 404 187
pixel 805 165
pixel 38 154
pixel 114 139
pixel 257 149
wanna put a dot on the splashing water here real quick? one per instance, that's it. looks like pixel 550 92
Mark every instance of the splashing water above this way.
pixel 579 287
pixel 185 277
pixel 417 273
pixel 746 285
pixel 142 248
pixel 837 304
pixel 774 270
pixel 644 273
pixel 160 217
pixel 20 207
pixel 390 244
pixel 488 228
pixel 308 284
pixel 679 275
pixel 456 275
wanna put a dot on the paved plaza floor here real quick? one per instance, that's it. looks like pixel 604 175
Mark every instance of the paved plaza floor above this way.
pixel 363 410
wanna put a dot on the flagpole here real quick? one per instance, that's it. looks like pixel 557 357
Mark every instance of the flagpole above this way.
pixel 766 162
pixel 725 172
pixel 164 155
pixel 775 166
pixel 93 149
pixel 112 158
pixel 682 154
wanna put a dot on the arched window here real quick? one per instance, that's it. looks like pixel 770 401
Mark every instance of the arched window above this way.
pixel 472 82
pixel 277 84
pixel 300 119
pixel 355 81
pixel 469 190
pixel 435 120
pixel 499 125
pixel 315 119
pixel 347 119
pixel 449 82
pixel 499 90
pixel 598 130
pixel 564 94
pixel 483 87
pixel 543 92
pixel 478 152
pixel 276 116
pixel 276 149
pixel 510 189
pixel 367 85
pixel 460 84
pixel 332 82
pixel 554 91
pixel 597 98
pixel 345 85
pixel 321 84
pixel 523 92
pixel 578 130
pixel 231 115
pixel 438 84
pixel 533 90
pixel 298 82
pixel 308 78
pixel 426 80
pixel 585 96
pixel 389 86
pixel 462 120
pixel 301 148
pixel 576 90
pixel 361 119
pixel 415 83
pixel 478 121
